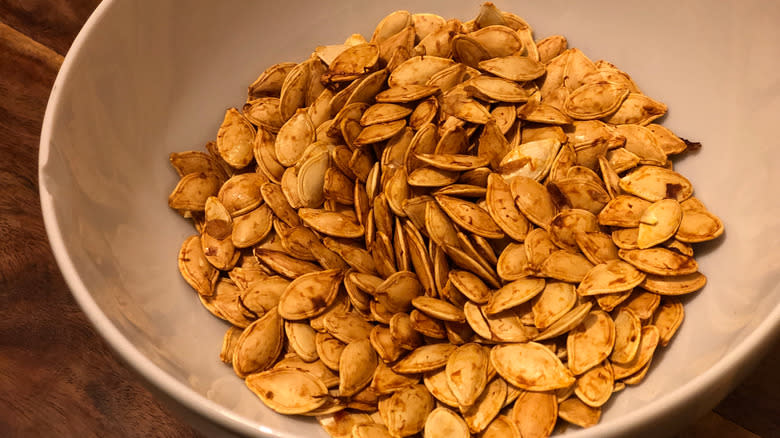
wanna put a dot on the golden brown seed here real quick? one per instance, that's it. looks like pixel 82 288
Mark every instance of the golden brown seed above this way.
pixel 487 406
pixel 590 342
pixel 540 371
pixel 195 268
pixel 649 340
pixel 405 412
pixel 535 413
pixel 578 413
pixel 610 277
pixel 288 391
pixel 553 302
pixel 356 367
pixel 259 345
pixel 444 423
pixel 659 261
pixel 310 294
pixel 533 200
pixel 193 190
pixel 235 138
pixel 668 318
pixel 466 372
pixel 676 285
pixel 514 294
pixel 628 328
pixel 425 358
pixel 594 388
pixel 438 309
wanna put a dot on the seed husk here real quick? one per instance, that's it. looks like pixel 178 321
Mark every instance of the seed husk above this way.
pixel 676 285
pixel 565 323
pixel 578 413
pixel 507 326
pixel 288 391
pixel 533 200
pixel 553 302
pixel 590 342
pixel 611 277
pixel 470 217
pixel 437 384
pixel 566 266
pixel 317 368
pixel 487 406
pixel 513 67
pixel 594 101
pixel 654 183
pixel 594 388
pixel 659 222
pixel 513 294
pixel 347 327
pixel 578 193
pixel 659 261
pixel 668 318
pixel 649 341
pixel 541 371
pixel 531 159
pixel 425 358
pixel 284 264
pixel 235 138
pixel 513 263
pixel 597 247
pixel 193 190
pixel 251 228
pixel 195 268
pixel 405 412
pixel 623 211
pixel 698 226
pixel 301 338
pixel 538 247
pixel 384 344
pixel 642 303
pixel 269 82
pixel 535 413
pixel 466 372
pixel 356 367
pixel 310 294
pixel 637 109
pixel 502 90
pixel 439 309
pixel 341 424
pixel 568 224
pixel 259 345
pixel 628 328
pixel 331 223
pixel 329 350
pixel 444 423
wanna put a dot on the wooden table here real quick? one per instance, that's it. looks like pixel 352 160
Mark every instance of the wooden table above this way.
pixel 57 376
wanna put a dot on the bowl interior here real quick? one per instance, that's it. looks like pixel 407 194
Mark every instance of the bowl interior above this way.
pixel 147 78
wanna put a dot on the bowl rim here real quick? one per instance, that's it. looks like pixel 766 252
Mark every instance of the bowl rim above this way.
pixel 760 339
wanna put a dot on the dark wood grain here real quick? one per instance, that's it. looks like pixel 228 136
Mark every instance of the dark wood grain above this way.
pixel 755 404
pixel 57 376
pixel 713 425
pixel 51 23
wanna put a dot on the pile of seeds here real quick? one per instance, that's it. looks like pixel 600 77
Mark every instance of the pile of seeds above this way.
pixel 450 228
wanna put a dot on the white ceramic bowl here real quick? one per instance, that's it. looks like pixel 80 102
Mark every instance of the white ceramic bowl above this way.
pixel 146 78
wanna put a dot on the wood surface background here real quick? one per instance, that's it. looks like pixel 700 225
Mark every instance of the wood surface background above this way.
pixel 57 376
